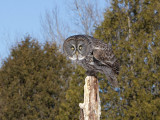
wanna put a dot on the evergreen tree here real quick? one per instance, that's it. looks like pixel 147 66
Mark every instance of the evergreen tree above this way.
pixel 33 81
pixel 69 109
pixel 133 28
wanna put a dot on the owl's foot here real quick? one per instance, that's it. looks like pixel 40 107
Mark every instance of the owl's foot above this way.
pixel 91 73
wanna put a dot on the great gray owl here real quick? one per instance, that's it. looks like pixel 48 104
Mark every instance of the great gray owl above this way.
pixel 93 55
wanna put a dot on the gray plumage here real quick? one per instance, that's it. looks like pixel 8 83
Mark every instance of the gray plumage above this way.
pixel 93 55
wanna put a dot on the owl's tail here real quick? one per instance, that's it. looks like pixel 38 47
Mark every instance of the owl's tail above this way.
pixel 112 78
pixel 113 81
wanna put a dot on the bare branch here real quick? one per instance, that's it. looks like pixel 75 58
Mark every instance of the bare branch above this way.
pixel 53 27
pixel 87 15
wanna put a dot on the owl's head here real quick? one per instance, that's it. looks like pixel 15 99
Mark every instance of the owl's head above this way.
pixel 76 47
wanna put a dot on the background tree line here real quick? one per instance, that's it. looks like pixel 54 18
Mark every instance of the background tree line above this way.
pixel 38 82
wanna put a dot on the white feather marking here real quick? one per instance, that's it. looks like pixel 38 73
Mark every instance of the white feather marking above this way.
pixel 111 62
pixel 73 58
pixel 97 48
pixel 81 58
pixel 91 63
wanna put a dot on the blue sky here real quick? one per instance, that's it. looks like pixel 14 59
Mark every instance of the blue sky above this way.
pixel 21 17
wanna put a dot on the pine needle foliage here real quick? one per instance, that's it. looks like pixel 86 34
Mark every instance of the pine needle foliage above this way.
pixel 133 29
pixel 33 81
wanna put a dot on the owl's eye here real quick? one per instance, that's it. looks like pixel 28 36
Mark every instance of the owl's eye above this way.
pixel 80 47
pixel 72 47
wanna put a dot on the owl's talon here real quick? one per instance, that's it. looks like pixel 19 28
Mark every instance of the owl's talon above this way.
pixel 91 73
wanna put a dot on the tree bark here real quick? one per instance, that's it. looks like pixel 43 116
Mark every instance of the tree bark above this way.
pixel 90 109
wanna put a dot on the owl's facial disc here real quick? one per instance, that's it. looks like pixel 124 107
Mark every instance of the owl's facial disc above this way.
pixel 76 53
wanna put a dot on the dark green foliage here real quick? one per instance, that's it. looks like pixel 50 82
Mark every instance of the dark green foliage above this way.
pixel 33 82
pixel 69 109
pixel 133 28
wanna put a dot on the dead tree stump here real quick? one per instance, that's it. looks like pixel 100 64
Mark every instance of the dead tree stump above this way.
pixel 90 109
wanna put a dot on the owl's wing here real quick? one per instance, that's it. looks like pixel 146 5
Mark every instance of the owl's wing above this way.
pixel 106 57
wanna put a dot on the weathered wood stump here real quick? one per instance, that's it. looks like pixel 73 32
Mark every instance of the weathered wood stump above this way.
pixel 90 109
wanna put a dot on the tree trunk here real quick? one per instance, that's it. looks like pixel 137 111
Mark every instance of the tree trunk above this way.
pixel 90 109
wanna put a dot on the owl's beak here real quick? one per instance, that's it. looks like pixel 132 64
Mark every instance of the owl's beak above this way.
pixel 77 53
